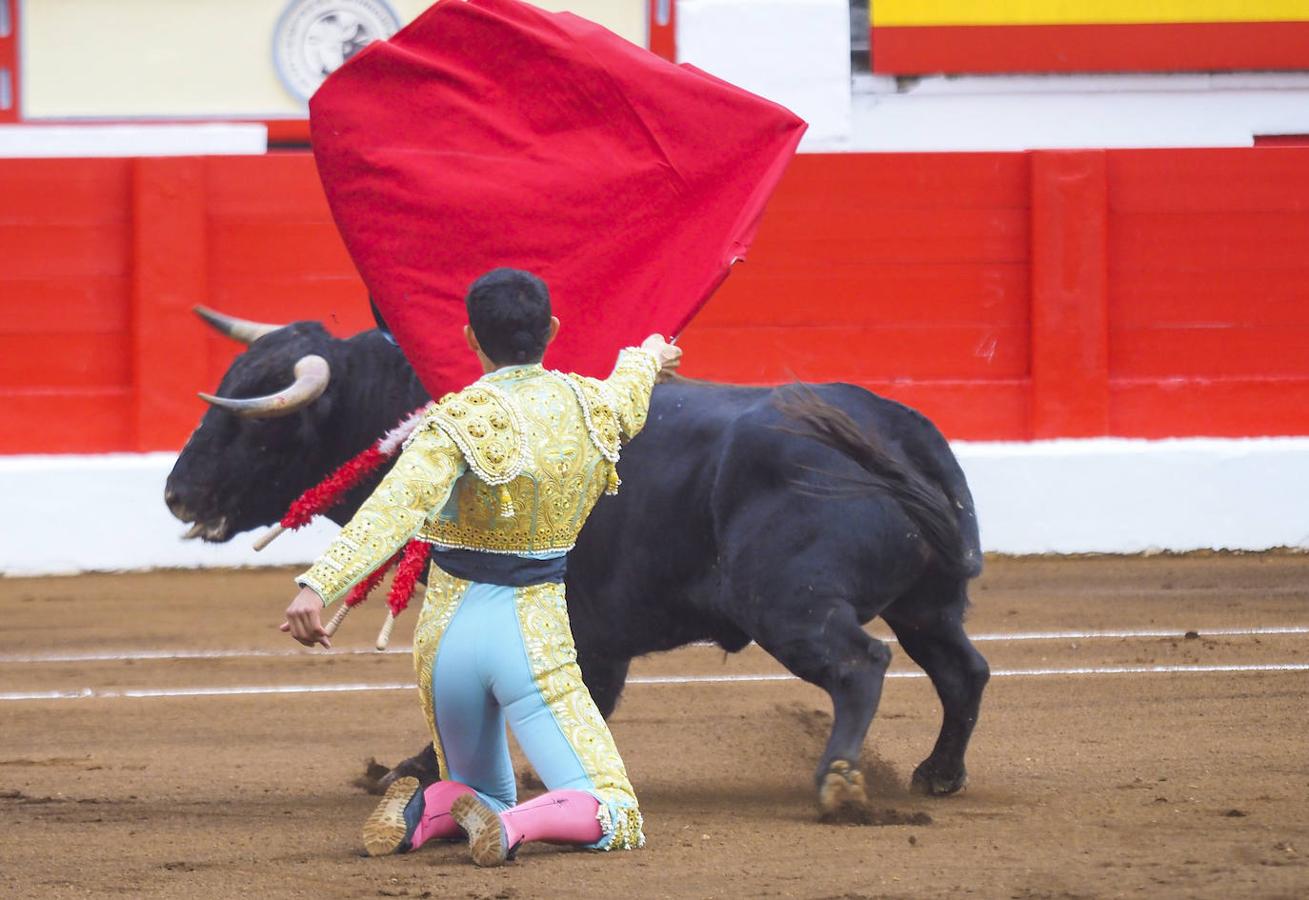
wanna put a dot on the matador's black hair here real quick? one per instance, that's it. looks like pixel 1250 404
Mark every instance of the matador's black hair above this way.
pixel 509 310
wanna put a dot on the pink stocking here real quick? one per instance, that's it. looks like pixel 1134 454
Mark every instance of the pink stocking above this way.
pixel 560 817
pixel 436 823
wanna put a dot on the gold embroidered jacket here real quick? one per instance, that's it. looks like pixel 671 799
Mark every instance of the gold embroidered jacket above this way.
pixel 511 464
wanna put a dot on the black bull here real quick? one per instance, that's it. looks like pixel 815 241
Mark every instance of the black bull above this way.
pixel 789 517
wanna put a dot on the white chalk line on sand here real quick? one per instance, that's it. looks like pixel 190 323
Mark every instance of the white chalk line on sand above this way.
pixel 986 637
pixel 254 690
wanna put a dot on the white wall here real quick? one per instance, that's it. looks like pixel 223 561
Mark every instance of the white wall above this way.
pixel 794 52
pixel 210 58
pixel 797 53
pixel 63 514
pixel 1128 496
pixel 1056 111
pixel 78 141
pixel 90 513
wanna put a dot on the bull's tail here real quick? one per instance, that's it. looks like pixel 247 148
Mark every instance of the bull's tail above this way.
pixel 926 503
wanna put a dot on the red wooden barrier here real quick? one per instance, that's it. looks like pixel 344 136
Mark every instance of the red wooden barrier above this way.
pixel 1008 296
pixel 100 263
pixel 1070 323
pixel 1209 292
pixel 170 275
pixel 907 273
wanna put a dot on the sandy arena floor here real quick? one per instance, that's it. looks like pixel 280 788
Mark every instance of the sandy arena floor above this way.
pixel 1115 757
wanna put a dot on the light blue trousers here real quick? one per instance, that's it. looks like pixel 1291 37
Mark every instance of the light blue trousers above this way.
pixel 481 678
pixel 488 655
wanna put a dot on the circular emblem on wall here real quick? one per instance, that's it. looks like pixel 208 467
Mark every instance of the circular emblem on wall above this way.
pixel 314 38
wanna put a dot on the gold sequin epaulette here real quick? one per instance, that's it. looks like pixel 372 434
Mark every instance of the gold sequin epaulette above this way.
pixel 598 410
pixel 487 428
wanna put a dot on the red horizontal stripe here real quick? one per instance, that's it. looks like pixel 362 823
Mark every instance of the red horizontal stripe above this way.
pixel 102 418
pixel 1176 407
pixel 1091 48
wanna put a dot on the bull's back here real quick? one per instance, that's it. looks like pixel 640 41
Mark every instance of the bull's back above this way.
pixel 919 443
pixel 644 572
pixel 647 571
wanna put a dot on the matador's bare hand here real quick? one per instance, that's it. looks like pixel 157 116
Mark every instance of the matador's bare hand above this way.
pixel 303 619
pixel 669 355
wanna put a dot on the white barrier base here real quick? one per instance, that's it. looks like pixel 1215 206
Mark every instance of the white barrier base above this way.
pixel 105 139
pixel 1112 495
pixel 67 514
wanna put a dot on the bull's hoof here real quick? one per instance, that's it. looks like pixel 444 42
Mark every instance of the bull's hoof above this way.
pixel 929 780
pixel 841 795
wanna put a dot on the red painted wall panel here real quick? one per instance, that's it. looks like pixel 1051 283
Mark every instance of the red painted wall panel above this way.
pixel 895 271
pixel 1070 366
pixel 53 420
pixel 52 191
pixel 924 294
pixel 65 281
pixel 963 284
pixel 65 359
pixel 1269 178
pixel 851 352
pixel 1209 300
pixel 1237 407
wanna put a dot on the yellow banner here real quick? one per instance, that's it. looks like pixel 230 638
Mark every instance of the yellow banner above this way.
pixel 888 13
pixel 190 58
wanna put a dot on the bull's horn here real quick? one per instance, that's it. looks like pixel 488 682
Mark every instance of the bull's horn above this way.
pixel 312 374
pixel 242 330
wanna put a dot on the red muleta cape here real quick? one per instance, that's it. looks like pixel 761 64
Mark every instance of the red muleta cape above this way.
pixel 491 133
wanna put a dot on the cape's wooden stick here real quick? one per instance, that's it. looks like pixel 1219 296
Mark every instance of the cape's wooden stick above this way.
pixel 269 536
pixel 384 636
pixel 337 619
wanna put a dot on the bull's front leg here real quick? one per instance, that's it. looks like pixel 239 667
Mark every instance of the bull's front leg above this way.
pixel 837 655
pixel 604 678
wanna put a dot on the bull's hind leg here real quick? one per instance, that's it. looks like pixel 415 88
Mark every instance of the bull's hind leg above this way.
pixel 934 638
pixel 831 650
